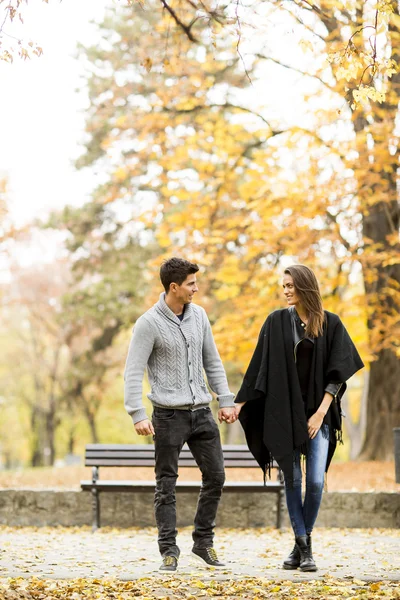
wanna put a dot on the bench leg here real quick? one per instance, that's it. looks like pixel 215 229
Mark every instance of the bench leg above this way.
pixel 95 509
pixel 279 509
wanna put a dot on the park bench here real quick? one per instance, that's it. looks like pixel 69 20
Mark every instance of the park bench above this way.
pixel 132 455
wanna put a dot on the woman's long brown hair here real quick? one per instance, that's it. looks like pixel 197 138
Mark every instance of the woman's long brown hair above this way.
pixel 307 289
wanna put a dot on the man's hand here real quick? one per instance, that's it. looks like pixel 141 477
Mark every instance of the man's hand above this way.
pixel 228 415
pixel 144 427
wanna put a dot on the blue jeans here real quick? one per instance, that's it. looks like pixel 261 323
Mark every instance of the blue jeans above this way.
pixel 303 515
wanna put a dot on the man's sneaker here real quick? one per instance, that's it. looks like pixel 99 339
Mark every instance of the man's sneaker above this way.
pixel 169 563
pixel 207 557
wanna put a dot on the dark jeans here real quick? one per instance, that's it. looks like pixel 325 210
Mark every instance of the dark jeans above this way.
pixel 174 428
pixel 303 515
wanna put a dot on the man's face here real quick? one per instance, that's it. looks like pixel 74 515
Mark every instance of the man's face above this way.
pixel 185 292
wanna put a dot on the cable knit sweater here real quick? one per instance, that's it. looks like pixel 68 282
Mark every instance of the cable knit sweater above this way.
pixel 175 353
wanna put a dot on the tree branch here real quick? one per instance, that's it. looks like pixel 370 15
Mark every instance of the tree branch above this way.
pixel 222 106
pixel 333 219
pixel 7 10
pixel 186 28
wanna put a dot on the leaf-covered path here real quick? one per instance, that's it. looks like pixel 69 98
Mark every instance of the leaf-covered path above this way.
pixel 178 587
pixel 252 556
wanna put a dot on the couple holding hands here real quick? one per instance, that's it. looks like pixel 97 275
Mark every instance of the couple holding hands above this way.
pixel 288 403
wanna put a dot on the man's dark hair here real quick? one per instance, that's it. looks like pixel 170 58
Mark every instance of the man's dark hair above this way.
pixel 175 270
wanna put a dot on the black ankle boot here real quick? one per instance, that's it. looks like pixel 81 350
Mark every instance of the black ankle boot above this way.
pixel 307 563
pixel 293 560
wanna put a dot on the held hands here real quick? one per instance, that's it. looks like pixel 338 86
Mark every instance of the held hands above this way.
pixel 144 427
pixel 229 415
pixel 314 424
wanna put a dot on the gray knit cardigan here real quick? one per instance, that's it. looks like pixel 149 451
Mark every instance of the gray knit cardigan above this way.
pixel 175 353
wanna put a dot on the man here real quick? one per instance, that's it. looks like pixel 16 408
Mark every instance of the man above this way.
pixel 174 341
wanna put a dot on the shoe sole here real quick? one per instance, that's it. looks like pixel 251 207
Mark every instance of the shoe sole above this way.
pixel 309 570
pixel 199 560
pixel 290 567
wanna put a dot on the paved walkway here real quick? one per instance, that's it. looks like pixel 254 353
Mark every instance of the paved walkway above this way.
pixel 59 553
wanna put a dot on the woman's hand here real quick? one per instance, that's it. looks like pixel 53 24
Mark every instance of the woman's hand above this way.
pixel 314 424
pixel 238 407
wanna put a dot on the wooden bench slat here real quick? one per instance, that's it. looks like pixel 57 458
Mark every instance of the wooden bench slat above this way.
pixel 151 453
pixel 146 456
pixel 127 462
pixel 117 447
pixel 237 486
pixel 105 486
pixel 150 463
pixel 131 455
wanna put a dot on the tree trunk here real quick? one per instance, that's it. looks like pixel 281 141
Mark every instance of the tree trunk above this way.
pixel 378 157
pixel 71 440
pixel 36 455
pixel 381 285
pixel 50 433
pixel 93 428
pixel 381 270
pixel 383 408
pixel 91 419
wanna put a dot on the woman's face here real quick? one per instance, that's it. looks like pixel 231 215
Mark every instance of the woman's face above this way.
pixel 289 290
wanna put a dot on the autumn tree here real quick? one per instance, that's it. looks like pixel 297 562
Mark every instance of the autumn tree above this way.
pixel 34 354
pixel 207 171
pixel 180 153
pixel 106 294
pixel 372 156
pixel 35 357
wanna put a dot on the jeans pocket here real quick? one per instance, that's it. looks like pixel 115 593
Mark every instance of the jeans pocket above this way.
pixel 163 414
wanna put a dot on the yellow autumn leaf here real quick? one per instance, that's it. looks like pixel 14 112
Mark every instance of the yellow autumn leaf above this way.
pixel 198 584
pixel 147 64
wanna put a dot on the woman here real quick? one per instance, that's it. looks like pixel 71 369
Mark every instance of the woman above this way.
pixel 289 401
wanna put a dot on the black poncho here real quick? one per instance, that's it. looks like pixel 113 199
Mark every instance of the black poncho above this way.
pixel 274 418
